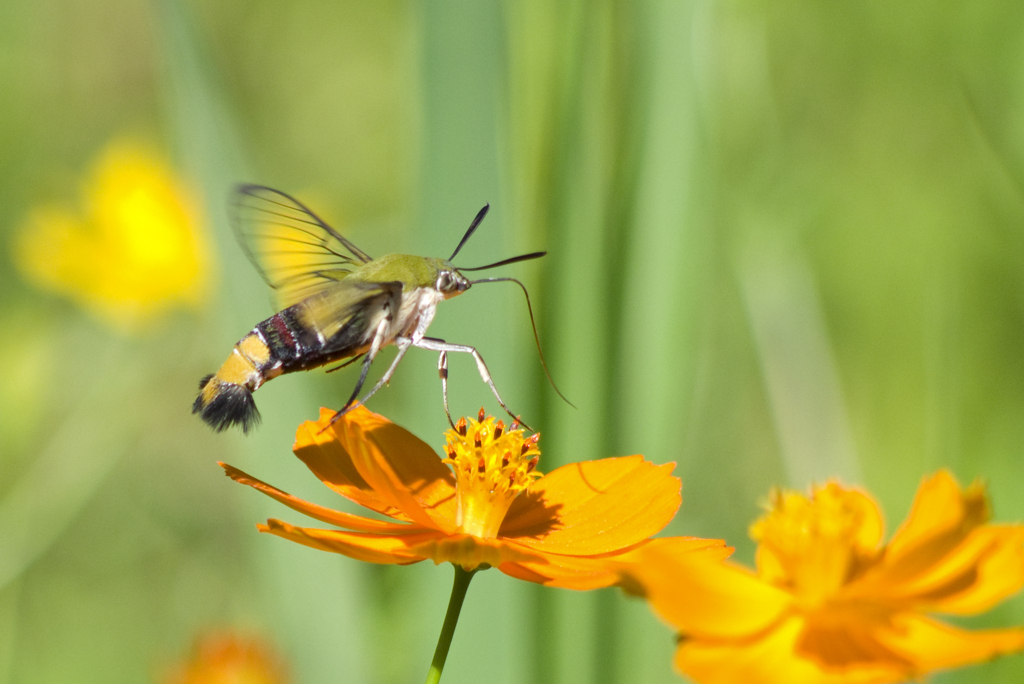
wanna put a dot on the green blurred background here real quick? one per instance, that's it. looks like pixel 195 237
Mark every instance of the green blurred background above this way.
pixel 786 242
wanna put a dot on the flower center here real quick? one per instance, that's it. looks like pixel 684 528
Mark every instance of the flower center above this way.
pixel 492 466
pixel 813 546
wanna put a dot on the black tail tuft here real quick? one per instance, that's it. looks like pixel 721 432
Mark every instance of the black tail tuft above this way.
pixel 226 404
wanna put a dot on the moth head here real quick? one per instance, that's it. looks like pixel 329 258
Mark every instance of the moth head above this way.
pixel 450 282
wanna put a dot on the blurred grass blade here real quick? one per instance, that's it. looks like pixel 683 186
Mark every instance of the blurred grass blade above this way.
pixel 83 448
pixel 799 367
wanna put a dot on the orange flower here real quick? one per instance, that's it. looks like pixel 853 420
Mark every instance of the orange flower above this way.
pixel 491 507
pixel 829 603
pixel 230 659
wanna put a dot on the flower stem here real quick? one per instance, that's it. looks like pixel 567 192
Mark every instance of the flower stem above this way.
pixel 451 618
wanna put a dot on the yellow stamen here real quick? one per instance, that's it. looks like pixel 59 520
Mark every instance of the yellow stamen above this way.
pixel 813 546
pixel 492 466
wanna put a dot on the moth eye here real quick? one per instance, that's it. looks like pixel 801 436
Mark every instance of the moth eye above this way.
pixel 444 281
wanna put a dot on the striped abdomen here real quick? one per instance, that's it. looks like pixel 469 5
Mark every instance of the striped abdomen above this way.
pixel 280 344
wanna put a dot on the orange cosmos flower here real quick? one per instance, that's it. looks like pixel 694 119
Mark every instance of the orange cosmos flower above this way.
pixel 230 659
pixel 829 603
pixel 484 505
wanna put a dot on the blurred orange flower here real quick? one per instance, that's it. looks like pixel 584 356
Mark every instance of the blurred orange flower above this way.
pixel 137 252
pixel 230 659
pixel 829 603
pixel 491 507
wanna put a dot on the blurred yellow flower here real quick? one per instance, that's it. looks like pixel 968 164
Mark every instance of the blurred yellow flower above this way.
pixel 829 602
pixel 135 251
pixel 228 658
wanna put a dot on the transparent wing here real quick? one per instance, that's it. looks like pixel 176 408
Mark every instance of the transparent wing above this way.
pixel 347 312
pixel 294 250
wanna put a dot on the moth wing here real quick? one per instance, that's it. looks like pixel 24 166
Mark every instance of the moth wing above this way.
pixel 294 250
pixel 348 312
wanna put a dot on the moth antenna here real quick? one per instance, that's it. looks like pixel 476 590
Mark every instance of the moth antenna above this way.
pixel 533 323
pixel 505 262
pixel 472 229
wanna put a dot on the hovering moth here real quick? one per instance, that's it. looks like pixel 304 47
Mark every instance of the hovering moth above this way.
pixel 337 302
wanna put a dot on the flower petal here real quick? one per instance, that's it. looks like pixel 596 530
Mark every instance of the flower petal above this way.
pixel 321 513
pixel 593 572
pixel 770 656
pixel 594 507
pixel 940 519
pixel 583 575
pixel 981 571
pixel 999 573
pixel 566 572
pixel 838 638
pixel 320 450
pixel 375 469
pixel 699 594
pixel 373 548
pixel 932 645
pixel 374 462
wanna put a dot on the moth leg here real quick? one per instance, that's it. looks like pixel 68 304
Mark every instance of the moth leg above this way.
pixel 344 364
pixel 378 341
pixel 403 344
pixel 442 370
pixel 438 345
pixel 359 385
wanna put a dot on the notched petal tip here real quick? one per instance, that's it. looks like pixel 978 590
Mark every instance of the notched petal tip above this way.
pixel 234 473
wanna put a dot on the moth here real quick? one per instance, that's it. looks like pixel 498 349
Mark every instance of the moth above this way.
pixel 338 304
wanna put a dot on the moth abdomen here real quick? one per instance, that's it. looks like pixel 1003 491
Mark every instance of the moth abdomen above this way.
pixel 225 398
pixel 222 404
pixel 281 344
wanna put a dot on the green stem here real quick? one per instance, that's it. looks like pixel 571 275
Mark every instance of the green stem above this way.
pixel 451 618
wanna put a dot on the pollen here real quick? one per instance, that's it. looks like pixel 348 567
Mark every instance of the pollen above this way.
pixel 492 466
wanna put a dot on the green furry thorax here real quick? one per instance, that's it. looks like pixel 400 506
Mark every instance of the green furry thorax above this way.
pixel 411 271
